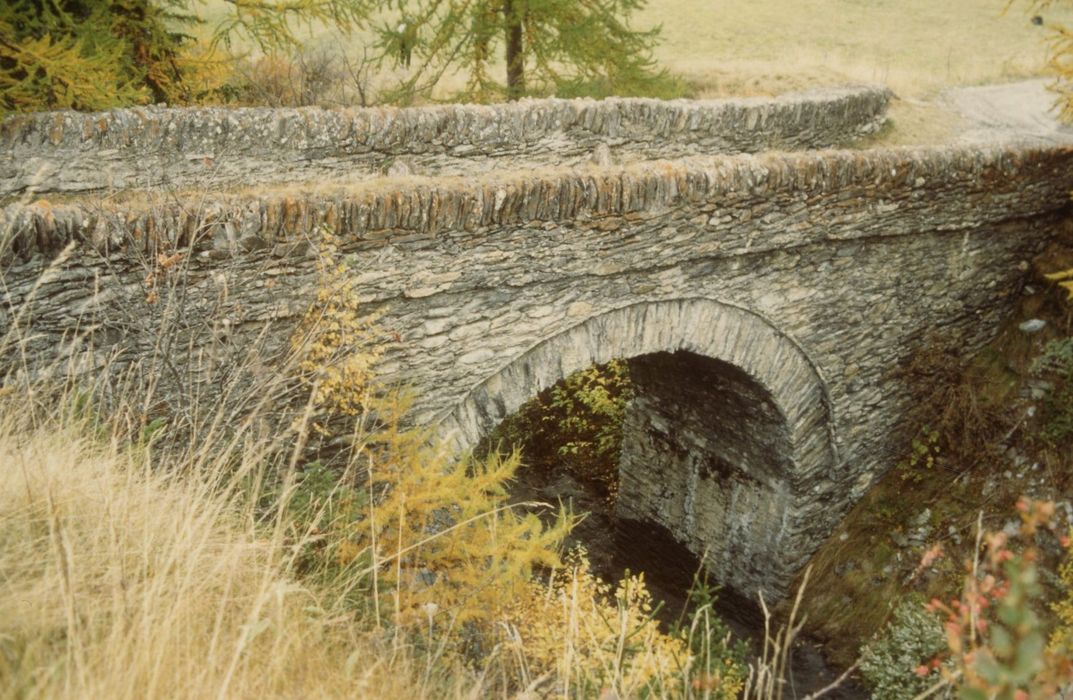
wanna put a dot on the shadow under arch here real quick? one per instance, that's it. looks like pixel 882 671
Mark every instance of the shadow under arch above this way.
pixel 768 519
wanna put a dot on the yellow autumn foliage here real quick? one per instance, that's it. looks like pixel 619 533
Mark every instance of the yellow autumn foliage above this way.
pixel 439 533
pixel 444 554
pixel 599 639
pixel 337 345
pixel 1064 278
pixel 1062 636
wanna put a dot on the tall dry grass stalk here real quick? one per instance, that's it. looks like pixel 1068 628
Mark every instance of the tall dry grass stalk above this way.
pixel 138 558
pixel 769 673
pixel 122 579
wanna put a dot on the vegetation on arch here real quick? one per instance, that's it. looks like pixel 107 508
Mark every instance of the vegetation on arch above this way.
pixel 575 425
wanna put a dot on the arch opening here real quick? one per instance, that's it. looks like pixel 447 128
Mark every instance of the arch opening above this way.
pixel 706 454
pixel 728 423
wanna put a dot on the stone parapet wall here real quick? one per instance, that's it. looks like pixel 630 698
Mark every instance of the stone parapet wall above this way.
pixel 731 204
pixel 199 147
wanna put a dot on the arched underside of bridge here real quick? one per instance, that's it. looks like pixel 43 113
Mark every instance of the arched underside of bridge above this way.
pixel 725 442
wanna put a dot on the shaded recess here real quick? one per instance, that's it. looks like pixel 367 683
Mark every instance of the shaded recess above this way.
pixel 727 441
pixel 706 454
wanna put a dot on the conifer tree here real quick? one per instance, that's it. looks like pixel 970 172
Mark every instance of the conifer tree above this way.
pixel 89 54
pixel 562 47
pixel 96 54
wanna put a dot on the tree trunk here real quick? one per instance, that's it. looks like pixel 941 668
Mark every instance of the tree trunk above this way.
pixel 513 11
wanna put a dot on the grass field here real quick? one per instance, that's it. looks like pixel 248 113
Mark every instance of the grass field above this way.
pixel 914 46
pixel 763 47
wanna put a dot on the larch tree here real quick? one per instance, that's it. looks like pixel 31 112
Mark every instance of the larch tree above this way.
pixel 561 47
pixel 97 54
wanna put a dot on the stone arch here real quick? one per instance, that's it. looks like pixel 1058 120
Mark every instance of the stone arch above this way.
pixel 763 525
pixel 706 327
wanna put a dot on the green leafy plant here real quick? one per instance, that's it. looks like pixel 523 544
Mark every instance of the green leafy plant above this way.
pixel 711 642
pixel 924 451
pixel 575 425
pixel 996 641
pixel 902 661
pixel 1055 364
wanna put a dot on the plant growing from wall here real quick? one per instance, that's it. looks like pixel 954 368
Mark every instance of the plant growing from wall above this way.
pixel 337 344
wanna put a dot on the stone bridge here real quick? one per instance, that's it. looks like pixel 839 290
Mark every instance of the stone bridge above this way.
pixel 763 286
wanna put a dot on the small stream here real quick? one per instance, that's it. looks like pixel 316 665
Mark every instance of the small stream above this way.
pixel 615 546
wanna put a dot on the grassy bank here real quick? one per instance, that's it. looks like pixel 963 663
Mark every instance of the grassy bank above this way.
pixel 766 47
pixel 914 46
pixel 122 578
pixel 981 436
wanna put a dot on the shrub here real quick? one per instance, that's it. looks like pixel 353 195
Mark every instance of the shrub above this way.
pixel 598 640
pixel 996 646
pixel 438 533
pixel 575 425
pixel 1056 364
pixel 303 77
pixel 898 664
pixel 336 344
pixel 1061 641
pixel 956 414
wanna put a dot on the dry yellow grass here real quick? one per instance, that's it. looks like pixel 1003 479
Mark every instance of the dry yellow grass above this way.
pixel 121 579
pixel 913 46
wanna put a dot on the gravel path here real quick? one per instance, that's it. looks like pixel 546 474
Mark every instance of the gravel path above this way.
pixel 1022 111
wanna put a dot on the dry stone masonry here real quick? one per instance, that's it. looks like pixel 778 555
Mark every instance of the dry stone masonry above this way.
pixel 762 294
pixel 183 148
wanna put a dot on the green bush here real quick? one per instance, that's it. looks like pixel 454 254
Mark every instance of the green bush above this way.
pixel 1056 365
pixel 897 665
pixel 576 425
